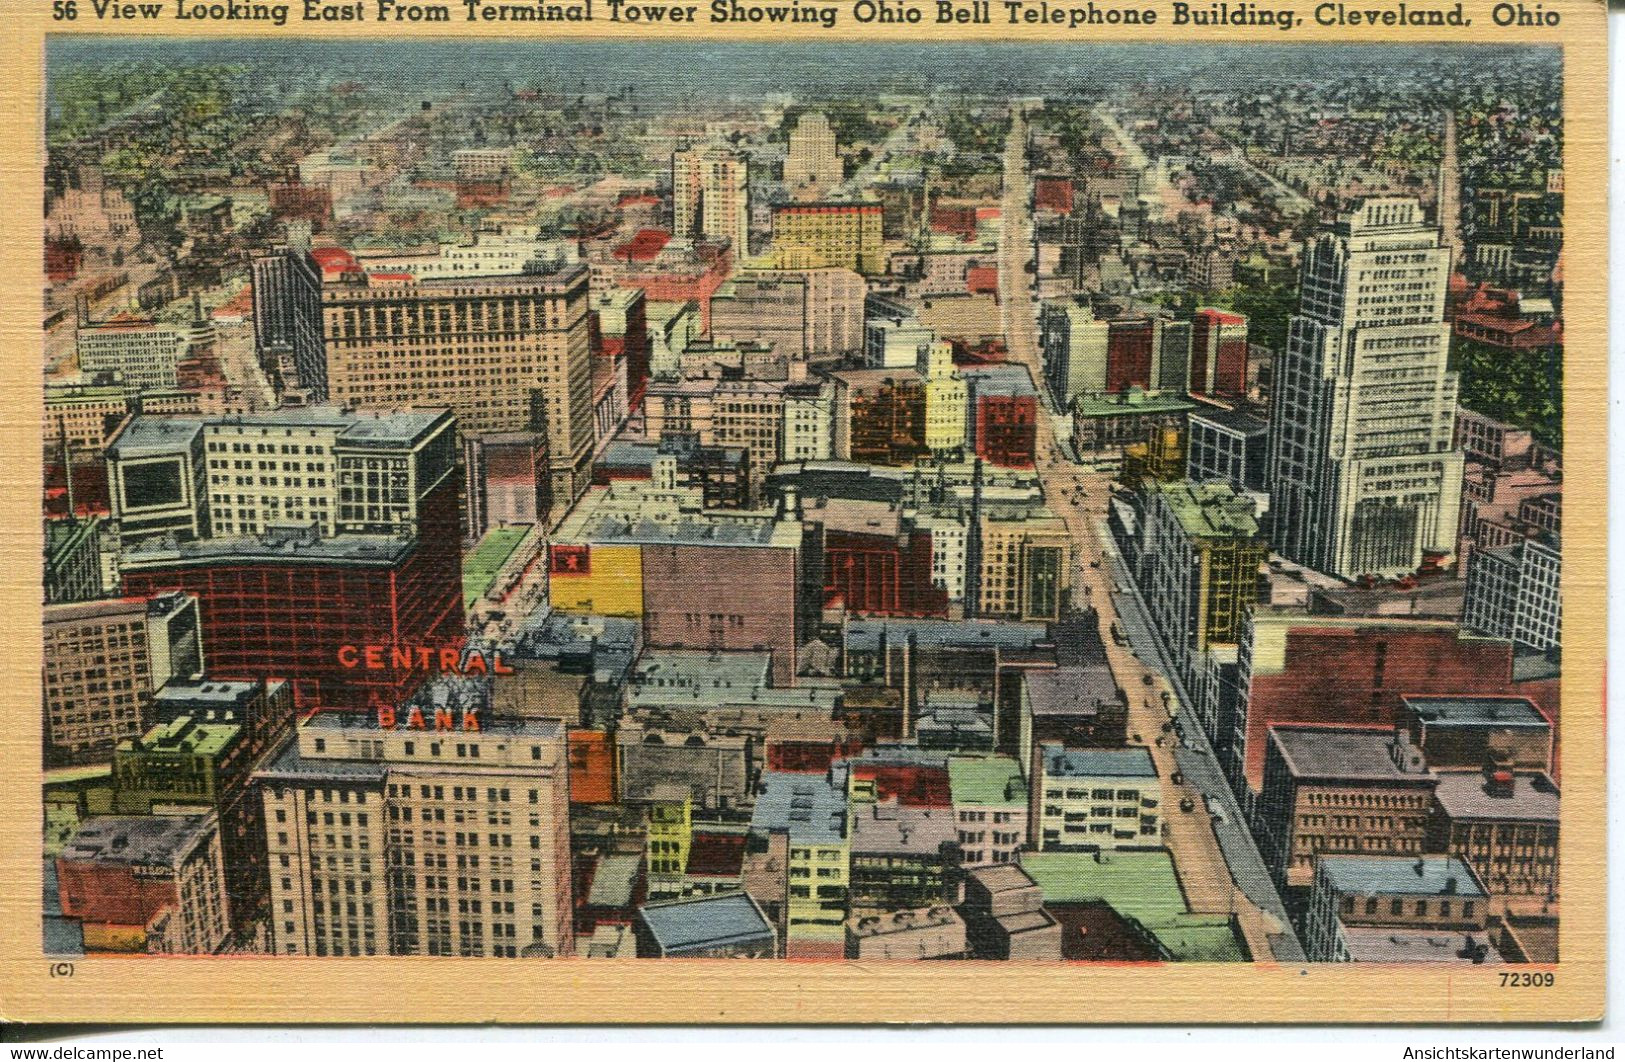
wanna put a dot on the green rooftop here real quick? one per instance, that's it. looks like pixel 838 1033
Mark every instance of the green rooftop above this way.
pixel 1200 938
pixel 1132 402
pixel 183 736
pixel 92 772
pixel 1142 886
pixel 482 563
pixel 989 780
pixel 1209 510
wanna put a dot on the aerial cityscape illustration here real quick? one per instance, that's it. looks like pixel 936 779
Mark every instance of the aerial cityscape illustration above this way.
pixel 620 500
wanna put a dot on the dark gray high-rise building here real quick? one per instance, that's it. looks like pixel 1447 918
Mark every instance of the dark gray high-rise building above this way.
pixel 288 315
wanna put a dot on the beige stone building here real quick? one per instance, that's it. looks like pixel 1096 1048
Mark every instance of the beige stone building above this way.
pixel 503 352
pixel 103 661
pixel 1026 564
pixel 442 835
pixel 812 161
pixel 744 413
pixel 833 316
pixel 710 196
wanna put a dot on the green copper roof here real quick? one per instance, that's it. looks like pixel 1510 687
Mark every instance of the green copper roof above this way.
pixel 481 564
pixel 1131 403
pixel 1142 886
pixel 991 780
pixel 1210 510
pixel 183 736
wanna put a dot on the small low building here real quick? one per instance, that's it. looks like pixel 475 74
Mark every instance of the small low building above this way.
pixel 730 926
pixel 919 933
pixel 1095 798
pixel 1397 909
pixel 146 884
pixel 1005 917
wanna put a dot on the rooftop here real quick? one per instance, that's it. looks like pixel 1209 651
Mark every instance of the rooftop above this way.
pixel 811 808
pixel 614 879
pixel 903 921
pixel 210 693
pixel 1528 798
pixel 989 780
pixel 855 517
pixel 184 736
pixel 1506 712
pixel 1011 380
pixel 137 840
pixel 687 530
pixel 1131 402
pixel 1098 763
pixel 707 921
pixel 1002 877
pixel 287 765
pixel 1383 944
pixel 1436 875
pixel 1138 884
pixel 716 855
pixel 903 829
pixel 1069 690
pixel 1210 510
pixel 1343 752
pixel 864 635
pixel 149 435
pixel 1233 420
pixel 543 729
pixel 72 611
pixel 290 545
pixel 696 669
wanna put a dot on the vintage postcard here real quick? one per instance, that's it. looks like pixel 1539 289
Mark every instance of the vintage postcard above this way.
pixel 1002 511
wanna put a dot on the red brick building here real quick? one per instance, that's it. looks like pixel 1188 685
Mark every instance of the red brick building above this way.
pixel 954 221
pixel 916 785
pixel 1301 669
pixel 592 767
pixel 1052 193
pixel 1007 429
pixel 63 259
pixel 697 280
pixel 809 755
pixel 291 200
pixel 306 609
pixel 1128 354
pixel 875 560
pixel 1218 354
pixel 1003 414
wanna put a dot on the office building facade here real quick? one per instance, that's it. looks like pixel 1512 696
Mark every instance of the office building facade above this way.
pixel 422 832
pixel 1364 479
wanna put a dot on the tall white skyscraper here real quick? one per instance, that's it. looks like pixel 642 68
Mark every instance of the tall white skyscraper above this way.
pixel 812 161
pixel 710 193
pixel 1363 479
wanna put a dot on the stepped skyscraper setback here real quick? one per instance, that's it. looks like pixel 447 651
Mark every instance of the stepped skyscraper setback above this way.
pixel 1363 477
